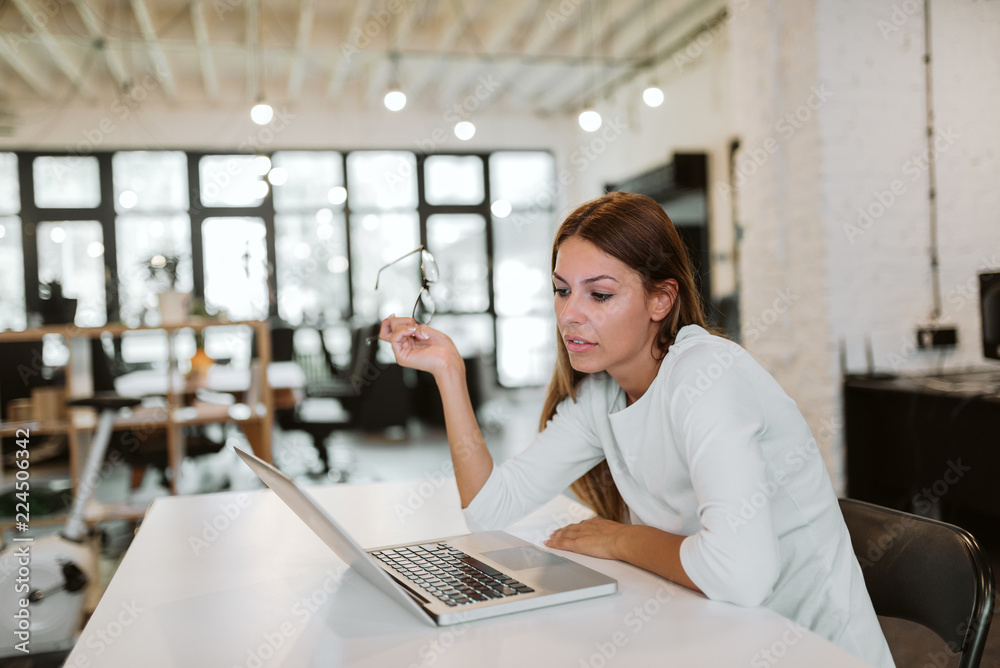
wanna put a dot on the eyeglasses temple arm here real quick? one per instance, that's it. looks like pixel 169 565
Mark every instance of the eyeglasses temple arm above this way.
pixel 402 257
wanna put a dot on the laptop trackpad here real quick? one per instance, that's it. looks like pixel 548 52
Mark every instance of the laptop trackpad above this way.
pixel 525 556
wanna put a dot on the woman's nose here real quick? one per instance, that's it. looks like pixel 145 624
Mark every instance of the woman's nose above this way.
pixel 570 312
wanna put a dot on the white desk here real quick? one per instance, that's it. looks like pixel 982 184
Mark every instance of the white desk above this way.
pixel 265 591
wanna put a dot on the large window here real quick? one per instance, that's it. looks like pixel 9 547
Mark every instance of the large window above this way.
pixel 296 235
pixel 310 230
pixel 523 211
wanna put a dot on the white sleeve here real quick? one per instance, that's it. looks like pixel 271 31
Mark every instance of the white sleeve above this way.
pixel 566 449
pixel 734 556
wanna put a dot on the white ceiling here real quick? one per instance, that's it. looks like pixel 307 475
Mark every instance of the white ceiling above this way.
pixel 540 57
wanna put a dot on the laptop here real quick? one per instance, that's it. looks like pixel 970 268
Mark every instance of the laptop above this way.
pixel 448 580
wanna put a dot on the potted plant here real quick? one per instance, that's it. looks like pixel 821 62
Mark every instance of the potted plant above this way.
pixel 56 309
pixel 163 272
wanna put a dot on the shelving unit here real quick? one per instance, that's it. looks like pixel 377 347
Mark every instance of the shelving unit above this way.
pixel 254 413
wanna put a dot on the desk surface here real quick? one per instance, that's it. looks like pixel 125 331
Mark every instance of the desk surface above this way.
pixel 235 579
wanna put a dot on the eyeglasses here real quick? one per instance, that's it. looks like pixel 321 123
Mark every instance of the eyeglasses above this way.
pixel 423 310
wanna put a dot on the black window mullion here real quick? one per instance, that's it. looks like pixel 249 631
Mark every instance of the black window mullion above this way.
pixel 29 226
pixel 197 215
pixel 106 216
pixel 424 209
pixel 347 240
pixel 266 211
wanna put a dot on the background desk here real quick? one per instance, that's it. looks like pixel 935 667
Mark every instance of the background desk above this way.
pixel 262 590
pixel 927 444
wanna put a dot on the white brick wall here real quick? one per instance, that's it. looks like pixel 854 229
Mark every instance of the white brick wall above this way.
pixel 801 209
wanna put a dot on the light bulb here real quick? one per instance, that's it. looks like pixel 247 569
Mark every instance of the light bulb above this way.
pixel 652 96
pixel 261 114
pixel 395 100
pixel 465 130
pixel 128 199
pixel 337 195
pixel 278 176
pixel 261 165
pixel 501 208
pixel 590 120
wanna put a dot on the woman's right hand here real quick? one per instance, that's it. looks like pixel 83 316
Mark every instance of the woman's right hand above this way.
pixel 418 346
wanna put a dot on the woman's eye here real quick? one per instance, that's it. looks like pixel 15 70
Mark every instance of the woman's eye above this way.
pixel 560 292
pixel 601 296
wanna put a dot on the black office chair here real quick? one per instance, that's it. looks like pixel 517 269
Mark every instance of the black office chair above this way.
pixel 332 396
pixel 924 571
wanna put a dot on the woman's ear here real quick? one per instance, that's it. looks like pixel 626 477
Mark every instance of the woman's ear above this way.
pixel 662 299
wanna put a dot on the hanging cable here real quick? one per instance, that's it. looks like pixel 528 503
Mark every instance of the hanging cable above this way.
pixel 931 167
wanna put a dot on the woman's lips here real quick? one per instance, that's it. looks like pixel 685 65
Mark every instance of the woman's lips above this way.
pixel 581 347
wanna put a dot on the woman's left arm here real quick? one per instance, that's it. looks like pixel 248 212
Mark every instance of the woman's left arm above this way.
pixel 648 548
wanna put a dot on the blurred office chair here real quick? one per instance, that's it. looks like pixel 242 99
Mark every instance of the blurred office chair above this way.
pixel 333 396
pixel 924 571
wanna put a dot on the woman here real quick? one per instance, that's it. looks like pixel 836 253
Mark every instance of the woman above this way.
pixel 700 468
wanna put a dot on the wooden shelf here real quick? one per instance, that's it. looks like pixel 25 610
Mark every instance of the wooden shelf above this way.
pixel 10 429
pixel 255 416
pixel 118 328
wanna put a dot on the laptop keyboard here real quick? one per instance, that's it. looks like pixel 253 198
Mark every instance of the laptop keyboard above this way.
pixel 450 575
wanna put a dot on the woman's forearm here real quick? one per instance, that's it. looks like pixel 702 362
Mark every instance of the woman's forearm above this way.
pixel 653 550
pixel 469 455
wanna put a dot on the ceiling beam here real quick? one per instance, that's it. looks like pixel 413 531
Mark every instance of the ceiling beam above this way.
pixel 500 37
pixel 461 24
pixel 204 44
pixel 23 68
pixel 599 43
pixel 673 33
pixel 297 74
pixel 37 20
pixel 111 59
pixel 544 37
pixel 351 46
pixel 163 72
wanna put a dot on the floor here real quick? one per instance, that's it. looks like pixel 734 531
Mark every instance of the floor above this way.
pixel 508 423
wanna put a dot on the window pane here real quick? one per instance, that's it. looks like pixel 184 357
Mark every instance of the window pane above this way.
pixel 458 242
pixel 454 179
pixel 236 267
pixel 139 239
pixel 72 182
pixel 72 252
pixel 522 252
pixel 523 178
pixel 233 180
pixel 382 179
pixel 471 334
pixel 12 309
pixel 10 193
pixel 376 240
pixel 526 350
pixel 312 267
pixel 307 180
pixel 150 181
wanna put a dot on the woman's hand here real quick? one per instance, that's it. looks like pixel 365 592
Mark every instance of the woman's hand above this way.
pixel 596 537
pixel 418 346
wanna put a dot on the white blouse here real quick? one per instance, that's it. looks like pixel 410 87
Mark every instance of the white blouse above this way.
pixel 715 451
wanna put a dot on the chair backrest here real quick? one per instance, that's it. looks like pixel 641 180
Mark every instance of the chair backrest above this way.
pixel 925 571
pixel 361 368
pixel 21 369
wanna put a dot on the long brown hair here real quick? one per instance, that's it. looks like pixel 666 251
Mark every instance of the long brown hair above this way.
pixel 637 231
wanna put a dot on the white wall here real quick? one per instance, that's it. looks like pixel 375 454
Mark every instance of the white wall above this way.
pixel 855 279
